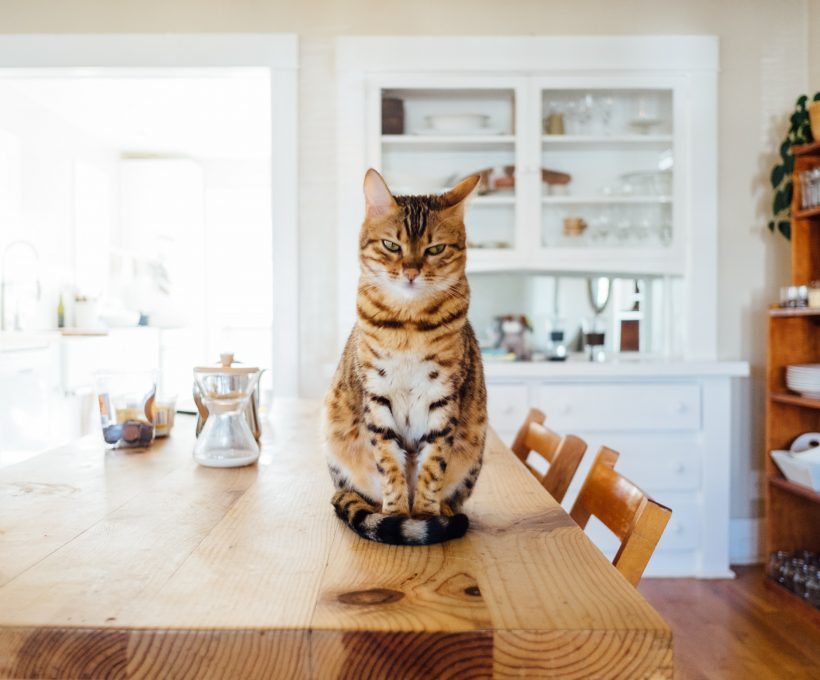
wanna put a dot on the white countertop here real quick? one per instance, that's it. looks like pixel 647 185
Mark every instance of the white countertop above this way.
pixel 627 368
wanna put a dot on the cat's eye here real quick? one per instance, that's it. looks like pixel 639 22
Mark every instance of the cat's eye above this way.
pixel 392 247
pixel 434 250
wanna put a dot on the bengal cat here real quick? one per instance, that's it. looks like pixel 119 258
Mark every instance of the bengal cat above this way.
pixel 405 417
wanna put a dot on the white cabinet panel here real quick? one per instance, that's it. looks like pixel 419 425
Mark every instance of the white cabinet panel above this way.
pixel 596 407
pixel 506 407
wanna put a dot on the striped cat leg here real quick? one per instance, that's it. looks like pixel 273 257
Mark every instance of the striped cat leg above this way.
pixel 390 464
pixel 433 459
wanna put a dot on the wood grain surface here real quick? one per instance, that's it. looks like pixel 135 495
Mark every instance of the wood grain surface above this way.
pixel 145 565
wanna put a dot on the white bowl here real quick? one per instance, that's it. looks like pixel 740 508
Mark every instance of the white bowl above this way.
pixel 457 121
pixel 802 472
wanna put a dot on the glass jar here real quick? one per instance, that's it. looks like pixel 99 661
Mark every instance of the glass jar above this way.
pixel 813 589
pixel 775 564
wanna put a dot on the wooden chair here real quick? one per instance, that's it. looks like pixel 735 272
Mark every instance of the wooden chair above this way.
pixel 628 512
pixel 562 453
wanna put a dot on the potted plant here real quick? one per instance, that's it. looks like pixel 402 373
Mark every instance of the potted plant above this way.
pixel 781 177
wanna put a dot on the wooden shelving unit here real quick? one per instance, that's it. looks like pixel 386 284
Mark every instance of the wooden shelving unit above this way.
pixel 793 511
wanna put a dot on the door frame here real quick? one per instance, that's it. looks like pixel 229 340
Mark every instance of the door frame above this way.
pixel 276 52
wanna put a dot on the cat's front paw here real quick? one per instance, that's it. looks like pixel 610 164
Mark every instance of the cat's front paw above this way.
pixel 396 508
pixel 426 509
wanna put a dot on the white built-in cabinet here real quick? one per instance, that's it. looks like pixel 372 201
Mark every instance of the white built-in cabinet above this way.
pixel 639 138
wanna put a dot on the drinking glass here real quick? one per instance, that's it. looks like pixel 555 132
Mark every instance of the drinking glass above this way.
pixel 127 407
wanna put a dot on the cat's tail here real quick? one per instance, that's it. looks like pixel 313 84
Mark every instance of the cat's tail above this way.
pixel 361 516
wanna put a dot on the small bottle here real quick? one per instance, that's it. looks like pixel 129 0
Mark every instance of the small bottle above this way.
pixel 60 313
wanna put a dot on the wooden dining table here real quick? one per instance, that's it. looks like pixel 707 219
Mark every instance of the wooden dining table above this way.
pixel 125 564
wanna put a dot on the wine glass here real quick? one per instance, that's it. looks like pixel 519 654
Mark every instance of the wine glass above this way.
pixel 607 105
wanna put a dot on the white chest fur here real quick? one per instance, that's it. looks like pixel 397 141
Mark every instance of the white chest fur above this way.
pixel 408 384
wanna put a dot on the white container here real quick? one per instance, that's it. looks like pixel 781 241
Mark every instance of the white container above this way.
pixel 86 315
pixel 457 121
pixel 802 472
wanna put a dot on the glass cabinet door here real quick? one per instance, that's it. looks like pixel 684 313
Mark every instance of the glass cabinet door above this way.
pixel 607 168
pixel 434 136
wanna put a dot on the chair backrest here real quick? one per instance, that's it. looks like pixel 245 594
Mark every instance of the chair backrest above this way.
pixel 563 454
pixel 625 510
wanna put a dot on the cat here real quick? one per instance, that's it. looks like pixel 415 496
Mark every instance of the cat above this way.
pixel 405 418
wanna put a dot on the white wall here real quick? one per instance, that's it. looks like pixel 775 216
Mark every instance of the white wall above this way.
pixel 764 64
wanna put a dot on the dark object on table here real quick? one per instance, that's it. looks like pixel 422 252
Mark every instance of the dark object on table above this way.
pixel 131 433
pixel 392 116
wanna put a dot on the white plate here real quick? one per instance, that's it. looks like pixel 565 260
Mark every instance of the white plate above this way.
pixel 461 132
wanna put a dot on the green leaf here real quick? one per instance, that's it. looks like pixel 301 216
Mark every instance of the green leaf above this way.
pixel 785 149
pixel 788 168
pixel 778 173
pixel 816 97
pixel 771 226
pixel 785 228
pixel 801 101
pixel 779 204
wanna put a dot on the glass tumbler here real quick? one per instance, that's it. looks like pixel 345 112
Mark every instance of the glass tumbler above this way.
pixel 127 407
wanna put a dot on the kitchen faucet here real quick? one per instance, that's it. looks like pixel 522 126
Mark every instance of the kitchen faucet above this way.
pixel 4 283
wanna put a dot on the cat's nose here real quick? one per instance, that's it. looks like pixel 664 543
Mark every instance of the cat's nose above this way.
pixel 411 274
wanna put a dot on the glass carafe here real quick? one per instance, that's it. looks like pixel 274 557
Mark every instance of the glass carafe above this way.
pixel 226 439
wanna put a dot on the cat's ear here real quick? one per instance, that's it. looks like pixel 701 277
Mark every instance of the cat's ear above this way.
pixel 457 196
pixel 377 196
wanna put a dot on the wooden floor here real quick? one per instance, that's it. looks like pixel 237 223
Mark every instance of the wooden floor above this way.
pixel 736 629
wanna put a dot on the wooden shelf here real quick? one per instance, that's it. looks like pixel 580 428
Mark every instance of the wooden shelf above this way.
pixel 794 399
pixel 807 213
pixel 794 311
pixel 796 489
pixel 806 149
pixel 792 510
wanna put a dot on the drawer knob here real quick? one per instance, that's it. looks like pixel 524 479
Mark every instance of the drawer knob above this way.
pixel 680 468
pixel 508 409
pixel 681 407
pixel 565 408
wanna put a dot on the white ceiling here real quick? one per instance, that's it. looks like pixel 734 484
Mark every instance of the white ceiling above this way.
pixel 224 115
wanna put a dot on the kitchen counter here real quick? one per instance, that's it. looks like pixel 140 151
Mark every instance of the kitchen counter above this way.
pixel 578 367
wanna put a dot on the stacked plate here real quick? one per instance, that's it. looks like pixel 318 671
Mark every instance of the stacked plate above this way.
pixel 805 379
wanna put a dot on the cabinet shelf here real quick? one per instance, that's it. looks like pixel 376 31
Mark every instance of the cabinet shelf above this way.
pixel 794 400
pixel 793 311
pixel 807 213
pixel 581 260
pixel 796 489
pixel 619 141
pixel 605 200
pixel 448 143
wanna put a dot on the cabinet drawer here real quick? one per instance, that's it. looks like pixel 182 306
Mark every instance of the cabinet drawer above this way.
pixel 656 462
pixel 614 407
pixel 507 405
pixel 682 532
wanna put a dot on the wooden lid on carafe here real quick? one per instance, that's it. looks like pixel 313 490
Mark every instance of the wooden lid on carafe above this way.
pixel 226 360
